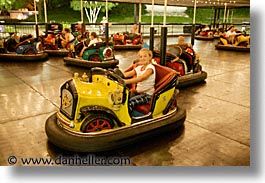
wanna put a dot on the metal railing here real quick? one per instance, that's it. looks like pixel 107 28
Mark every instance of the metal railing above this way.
pixel 172 28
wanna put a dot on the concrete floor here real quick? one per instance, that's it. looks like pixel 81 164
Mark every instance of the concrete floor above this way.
pixel 216 132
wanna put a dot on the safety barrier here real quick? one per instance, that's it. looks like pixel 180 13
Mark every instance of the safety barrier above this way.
pixel 172 28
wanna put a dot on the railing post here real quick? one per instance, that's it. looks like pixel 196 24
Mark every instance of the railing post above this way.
pixel 46 29
pixel 163 45
pixel 37 30
pixel 193 33
pixel 214 19
pixel 107 33
pixel 151 43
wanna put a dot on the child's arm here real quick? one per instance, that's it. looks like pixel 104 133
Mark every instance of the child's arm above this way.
pixel 143 77
pixel 129 73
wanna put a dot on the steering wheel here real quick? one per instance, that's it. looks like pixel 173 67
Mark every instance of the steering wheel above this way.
pixel 116 77
pixel 119 73
pixel 175 50
pixel 111 74
pixel 98 70
pixel 86 42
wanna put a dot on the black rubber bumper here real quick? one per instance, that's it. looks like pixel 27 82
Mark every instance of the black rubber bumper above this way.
pixel 23 57
pixel 232 48
pixel 206 38
pixel 128 47
pixel 83 63
pixel 187 81
pixel 57 53
pixel 112 139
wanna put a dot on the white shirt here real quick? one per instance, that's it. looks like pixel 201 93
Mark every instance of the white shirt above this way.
pixel 94 41
pixel 229 33
pixel 206 28
pixel 103 21
pixel 147 84
pixel 71 37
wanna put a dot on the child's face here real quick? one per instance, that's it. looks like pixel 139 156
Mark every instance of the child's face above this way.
pixel 144 58
pixel 181 40
pixel 92 37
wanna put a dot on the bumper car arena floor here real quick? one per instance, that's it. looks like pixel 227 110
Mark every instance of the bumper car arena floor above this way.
pixel 216 130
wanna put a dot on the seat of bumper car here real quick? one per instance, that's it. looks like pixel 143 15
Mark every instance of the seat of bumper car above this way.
pixel 188 58
pixel 169 56
pixel 164 76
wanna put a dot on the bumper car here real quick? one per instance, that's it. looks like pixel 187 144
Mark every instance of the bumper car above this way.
pixel 185 63
pixel 28 49
pixel 205 35
pixel 126 41
pixel 96 55
pixel 94 114
pixel 242 44
pixel 217 34
pixel 52 46
pixel 52 43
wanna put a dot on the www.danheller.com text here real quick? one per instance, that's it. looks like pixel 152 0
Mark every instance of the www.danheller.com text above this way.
pixel 71 160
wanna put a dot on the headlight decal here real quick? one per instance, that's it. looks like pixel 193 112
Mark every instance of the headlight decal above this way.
pixel 69 99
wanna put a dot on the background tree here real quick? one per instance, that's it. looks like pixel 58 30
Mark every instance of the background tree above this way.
pixel 92 8
pixel 51 4
pixel 203 15
pixel 124 9
pixel 6 4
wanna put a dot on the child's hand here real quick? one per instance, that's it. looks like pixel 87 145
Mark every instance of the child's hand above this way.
pixel 176 59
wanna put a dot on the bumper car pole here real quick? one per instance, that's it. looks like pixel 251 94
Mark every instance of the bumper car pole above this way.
pixel 163 41
pixel 214 19
pixel 36 20
pixel 152 29
pixel 45 11
pixel 163 45
pixel 45 17
pixel 140 17
pixel 193 24
pixel 107 33
pixel 82 18
pixel 224 20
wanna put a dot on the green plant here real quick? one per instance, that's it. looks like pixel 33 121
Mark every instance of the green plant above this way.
pixel 10 29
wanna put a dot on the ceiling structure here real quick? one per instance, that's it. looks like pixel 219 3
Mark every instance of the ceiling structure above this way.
pixel 190 3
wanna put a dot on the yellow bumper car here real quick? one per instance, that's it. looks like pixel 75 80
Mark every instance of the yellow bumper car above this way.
pixel 94 115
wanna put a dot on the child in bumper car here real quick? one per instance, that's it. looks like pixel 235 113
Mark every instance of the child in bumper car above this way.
pixel 49 39
pixel 68 37
pixel 231 34
pixel 103 24
pixel 183 44
pixel 133 33
pixel 233 37
pixel 186 47
pixel 144 76
pixel 92 40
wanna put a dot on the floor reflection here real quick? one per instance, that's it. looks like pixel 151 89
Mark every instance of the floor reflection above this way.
pixel 216 131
